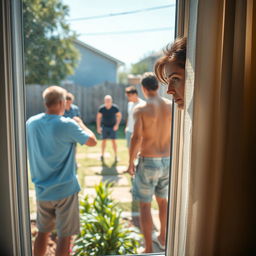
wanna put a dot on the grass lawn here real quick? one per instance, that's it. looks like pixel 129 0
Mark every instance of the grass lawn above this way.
pixel 88 159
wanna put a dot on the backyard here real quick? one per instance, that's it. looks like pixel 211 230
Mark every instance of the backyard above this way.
pixel 91 171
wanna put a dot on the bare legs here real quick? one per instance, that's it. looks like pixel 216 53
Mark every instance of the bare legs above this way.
pixel 103 147
pixel 146 222
pixel 146 225
pixel 63 245
pixel 114 148
pixel 162 204
pixel 41 244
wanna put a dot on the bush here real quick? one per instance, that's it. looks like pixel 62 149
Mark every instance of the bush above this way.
pixel 102 229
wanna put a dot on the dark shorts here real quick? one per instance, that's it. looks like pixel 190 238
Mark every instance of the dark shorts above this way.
pixel 108 133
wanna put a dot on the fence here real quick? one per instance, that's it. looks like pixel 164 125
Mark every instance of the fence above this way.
pixel 87 98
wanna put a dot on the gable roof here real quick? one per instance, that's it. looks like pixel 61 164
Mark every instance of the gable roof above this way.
pixel 118 62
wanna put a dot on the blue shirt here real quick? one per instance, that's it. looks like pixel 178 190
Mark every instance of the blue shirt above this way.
pixel 51 148
pixel 73 111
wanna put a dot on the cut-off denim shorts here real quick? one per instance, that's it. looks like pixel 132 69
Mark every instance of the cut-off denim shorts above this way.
pixel 151 178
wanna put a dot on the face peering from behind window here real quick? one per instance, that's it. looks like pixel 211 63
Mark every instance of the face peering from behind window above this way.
pixel 170 70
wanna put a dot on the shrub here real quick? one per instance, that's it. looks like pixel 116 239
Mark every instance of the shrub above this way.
pixel 102 229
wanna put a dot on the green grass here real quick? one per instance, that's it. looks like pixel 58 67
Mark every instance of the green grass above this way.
pixel 109 167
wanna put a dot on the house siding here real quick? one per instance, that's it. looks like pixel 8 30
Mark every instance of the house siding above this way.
pixel 93 69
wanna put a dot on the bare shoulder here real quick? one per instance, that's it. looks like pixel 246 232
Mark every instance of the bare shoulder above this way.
pixel 167 101
pixel 140 107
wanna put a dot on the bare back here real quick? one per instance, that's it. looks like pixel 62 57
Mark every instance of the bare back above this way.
pixel 153 121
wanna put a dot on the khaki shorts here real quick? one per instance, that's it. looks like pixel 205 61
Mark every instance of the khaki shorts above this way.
pixel 62 214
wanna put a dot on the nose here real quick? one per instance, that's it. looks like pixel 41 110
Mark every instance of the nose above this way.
pixel 170 89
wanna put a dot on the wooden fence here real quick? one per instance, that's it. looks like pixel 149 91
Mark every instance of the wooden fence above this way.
pixel 88 99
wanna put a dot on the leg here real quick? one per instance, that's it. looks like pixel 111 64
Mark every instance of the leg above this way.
pixel 114 148
pixel 103 146
pixel 146 225
pixel 63 246
pixel 41 244
pixel 162 204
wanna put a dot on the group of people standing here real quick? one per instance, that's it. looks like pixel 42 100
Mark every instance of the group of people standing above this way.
pixel 52 137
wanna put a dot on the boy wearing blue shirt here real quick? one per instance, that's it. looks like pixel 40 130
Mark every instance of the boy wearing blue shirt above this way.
pixel 51 142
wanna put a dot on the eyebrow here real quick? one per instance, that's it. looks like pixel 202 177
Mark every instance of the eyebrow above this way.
pixel 174 73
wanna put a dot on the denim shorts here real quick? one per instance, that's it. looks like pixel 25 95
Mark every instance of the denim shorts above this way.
pixel 151 178
pixel 108 133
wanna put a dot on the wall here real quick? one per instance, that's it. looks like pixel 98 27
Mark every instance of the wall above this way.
pixel 93 69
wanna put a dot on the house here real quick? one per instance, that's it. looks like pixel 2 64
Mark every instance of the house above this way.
pixel 95 66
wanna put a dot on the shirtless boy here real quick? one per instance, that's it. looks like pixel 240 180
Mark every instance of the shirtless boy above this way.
pixel 151 142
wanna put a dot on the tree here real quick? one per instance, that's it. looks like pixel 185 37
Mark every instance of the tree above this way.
pixel 139 68
pixel 50 54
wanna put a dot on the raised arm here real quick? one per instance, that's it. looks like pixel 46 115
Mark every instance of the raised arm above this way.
pixel 98 122
pixel 92 141
pixel 136 140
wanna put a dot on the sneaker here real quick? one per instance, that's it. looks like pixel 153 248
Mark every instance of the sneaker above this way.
pixel 101 158
pixel 155 239
pixel 116 159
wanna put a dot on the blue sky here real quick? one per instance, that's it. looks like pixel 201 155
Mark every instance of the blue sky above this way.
pixel 128 48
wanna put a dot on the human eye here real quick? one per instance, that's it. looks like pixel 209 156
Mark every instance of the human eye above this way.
pixel 175 79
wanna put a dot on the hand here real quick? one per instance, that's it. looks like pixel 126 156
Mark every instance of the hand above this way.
pixel 131 169
pixel 99 130
pixel 115 128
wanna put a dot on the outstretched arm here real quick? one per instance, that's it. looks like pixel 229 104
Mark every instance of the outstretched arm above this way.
pixel 92 141
pixel 136 140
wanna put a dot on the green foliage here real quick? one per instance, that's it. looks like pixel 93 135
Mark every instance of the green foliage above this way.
pixel 139 68
pixel 50 54
pixel 102 230
pixel 122 77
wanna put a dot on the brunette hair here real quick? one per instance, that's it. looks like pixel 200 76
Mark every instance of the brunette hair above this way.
pixel 149 81
pixel 174 53
pixel 131 90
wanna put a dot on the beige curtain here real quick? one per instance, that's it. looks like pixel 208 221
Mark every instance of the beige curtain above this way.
pixel 212 186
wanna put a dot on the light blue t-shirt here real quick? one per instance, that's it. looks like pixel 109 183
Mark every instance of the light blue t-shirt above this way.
pixel 51 147
pixel 73 111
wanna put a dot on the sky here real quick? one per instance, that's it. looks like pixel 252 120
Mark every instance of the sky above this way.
pixel 127 47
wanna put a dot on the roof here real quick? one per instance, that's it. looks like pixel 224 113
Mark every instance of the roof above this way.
pixel 119 62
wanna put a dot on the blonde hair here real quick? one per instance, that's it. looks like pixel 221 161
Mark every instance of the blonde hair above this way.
pixel 53 95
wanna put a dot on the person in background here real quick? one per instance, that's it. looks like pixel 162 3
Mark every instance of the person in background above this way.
pixel 108 120
pixel 150 142
pixel 51 142
pixel 71 109
pixel 133 101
